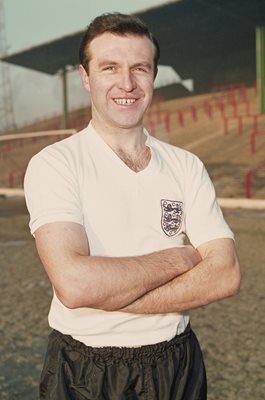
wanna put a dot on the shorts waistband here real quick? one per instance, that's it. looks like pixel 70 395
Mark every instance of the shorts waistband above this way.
pixel 146 351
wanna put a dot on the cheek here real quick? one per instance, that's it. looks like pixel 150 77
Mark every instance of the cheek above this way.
pixel 92 83
pixel 102 84
pixel 148 87
pixel 147 84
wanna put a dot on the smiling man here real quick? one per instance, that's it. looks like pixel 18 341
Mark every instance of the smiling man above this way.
pixel 110 208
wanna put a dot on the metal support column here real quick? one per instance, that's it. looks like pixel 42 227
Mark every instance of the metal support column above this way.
pixel 63 74
pixel 260 65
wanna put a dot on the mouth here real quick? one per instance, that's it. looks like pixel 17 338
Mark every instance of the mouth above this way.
pixel 124 101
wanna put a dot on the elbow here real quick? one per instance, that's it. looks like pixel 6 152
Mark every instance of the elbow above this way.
pixel 72 298
pixel 236 286
pixel 68 298
pixel 234 280
pixel 74 302
pixel 69 302
pixel 75 296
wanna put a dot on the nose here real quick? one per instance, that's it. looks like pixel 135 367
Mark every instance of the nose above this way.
pixel 127 80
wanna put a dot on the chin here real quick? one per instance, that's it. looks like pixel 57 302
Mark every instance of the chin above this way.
pixel 127 124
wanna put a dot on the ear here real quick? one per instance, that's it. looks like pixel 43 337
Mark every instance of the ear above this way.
pixel 84 77
pixel 155 72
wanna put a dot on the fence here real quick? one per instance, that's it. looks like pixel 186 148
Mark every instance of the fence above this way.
pixel 16 151
pixel 231 103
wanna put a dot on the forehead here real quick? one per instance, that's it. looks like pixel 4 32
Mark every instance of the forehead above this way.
pixel 111 46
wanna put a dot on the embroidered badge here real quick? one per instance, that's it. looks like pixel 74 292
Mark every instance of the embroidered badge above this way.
pixel 171 219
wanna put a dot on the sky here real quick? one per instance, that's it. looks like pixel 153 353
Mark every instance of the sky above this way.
pixel 32 22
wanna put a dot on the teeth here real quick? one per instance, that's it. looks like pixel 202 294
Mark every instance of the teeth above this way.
pixel 124 101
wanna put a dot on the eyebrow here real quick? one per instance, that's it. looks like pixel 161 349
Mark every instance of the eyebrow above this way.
pixel 143 64
pixel 138 64
pixel 107 62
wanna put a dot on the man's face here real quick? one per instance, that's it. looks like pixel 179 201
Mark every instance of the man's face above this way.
pixel 120 79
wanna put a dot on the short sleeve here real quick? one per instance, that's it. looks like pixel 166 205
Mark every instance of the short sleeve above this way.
pixel 204 219
pixel 51 190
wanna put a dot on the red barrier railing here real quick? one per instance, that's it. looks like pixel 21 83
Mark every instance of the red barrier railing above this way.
pixel 248 176
pixel 252 139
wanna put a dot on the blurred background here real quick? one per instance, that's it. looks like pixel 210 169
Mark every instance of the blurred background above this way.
pixel 209 93
pixel 209 99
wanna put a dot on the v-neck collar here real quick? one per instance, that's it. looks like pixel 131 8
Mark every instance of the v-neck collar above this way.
pixel 151 166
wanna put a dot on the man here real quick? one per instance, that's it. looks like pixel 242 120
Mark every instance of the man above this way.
pixel 109 208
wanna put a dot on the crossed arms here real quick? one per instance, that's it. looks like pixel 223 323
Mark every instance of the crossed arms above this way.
pixel 171 280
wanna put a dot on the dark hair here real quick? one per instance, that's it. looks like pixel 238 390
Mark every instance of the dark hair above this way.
pixel 120 24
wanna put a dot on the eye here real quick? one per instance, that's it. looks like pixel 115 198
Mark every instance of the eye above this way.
pixel 141 69
pixel 110 68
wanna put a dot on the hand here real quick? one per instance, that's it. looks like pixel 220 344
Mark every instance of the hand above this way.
pixel 180 259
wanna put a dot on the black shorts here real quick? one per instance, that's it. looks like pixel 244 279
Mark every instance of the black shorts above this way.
pixel 172 370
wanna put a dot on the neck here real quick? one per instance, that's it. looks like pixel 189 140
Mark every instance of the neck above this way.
pixel 128 144
pixel 122 139
pixel 136 161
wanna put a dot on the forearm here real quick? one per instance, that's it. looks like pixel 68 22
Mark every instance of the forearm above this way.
pixel 112 283
pixel 107 283
pixel 209 281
